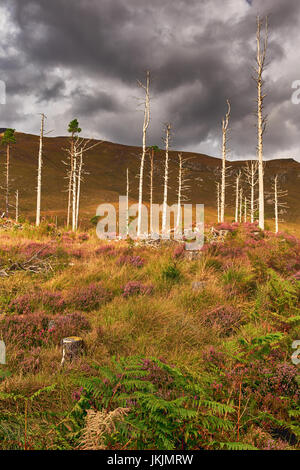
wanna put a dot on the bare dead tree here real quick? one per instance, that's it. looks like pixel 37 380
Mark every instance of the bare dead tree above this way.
pixel 218 201
pixel 280 205
pixel 182 188
pixel 146 88
pixel 245 209
pixel 241 205
pixel 8 139
pixel 39 174
pixel 17 205
pixel 79 179
pixel 237 194
pixel 152 150
pixel 78 149
pixel 250 171
pixel 225 123
pixel 166 177
pixel 151 189
pixel 74 188
pixel 127 201
pixel 74 129
pixel 261 119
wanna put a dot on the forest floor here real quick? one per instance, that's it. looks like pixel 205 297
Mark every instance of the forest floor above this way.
pixel 179 353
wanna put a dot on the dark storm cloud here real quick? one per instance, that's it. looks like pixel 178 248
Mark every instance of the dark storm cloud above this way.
pixel 199 55
pixel 56 90
pixel 85 105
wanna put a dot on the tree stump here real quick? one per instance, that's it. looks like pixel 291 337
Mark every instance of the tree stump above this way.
pixel 72 348
pixel 2 353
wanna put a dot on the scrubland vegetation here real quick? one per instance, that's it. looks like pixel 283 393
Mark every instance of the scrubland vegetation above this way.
pixel 179 353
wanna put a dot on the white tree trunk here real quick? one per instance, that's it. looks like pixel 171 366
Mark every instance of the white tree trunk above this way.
pixel 251 175
pixel 127 202
pixel 145 127
pixel 39 177
pixel 74 190
pixel 276 203
pixel 237 196
pixel 241 205
pixel 252 195
pixel 151 189
pixel 178 220
pixel 17 205
pixel 261 121
pixel 78 188
pixel 70 176
pixel 218 201
pixel 166 179
pixel 224 155
pixel 7 181
pixel 245 210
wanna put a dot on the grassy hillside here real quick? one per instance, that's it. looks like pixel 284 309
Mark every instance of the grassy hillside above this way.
pixel 194 354
pixel 106 167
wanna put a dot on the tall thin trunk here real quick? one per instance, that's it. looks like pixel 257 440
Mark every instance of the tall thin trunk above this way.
pixel 151 189
pixel 145 127
pixel 17 206
pixel 127 202
pixel 179 194
pixel 252 195
pixel 7 180
pixel 166 179
pixel 78 187
pixel 237 195
pixel 218 201
pixel 74 190
pixel 261 120
pixel 245 210
pixel 70 181
pixel 276 203
pixel 241 205
pixel 39 176
pixel 225 123
pixel 251 176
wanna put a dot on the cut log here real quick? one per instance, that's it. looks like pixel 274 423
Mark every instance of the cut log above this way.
pixel 72 348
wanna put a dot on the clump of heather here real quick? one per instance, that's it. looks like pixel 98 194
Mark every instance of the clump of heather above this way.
pixel 136 261
pixel 52 300
pixel 225 317
pixel 107 250
pixel 136 287
pixel 76 394
pixel 68 325
pixel 83 237
pixel 28 303
pixel 178 251
pixel 280 380
pixel 88 298
pixel 35 330
pixel 76 253
pixel 22 304
pixel 41 250
pixel 214 357
pixel 226 226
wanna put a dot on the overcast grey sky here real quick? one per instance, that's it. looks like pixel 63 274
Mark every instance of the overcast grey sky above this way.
pixel 82 58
